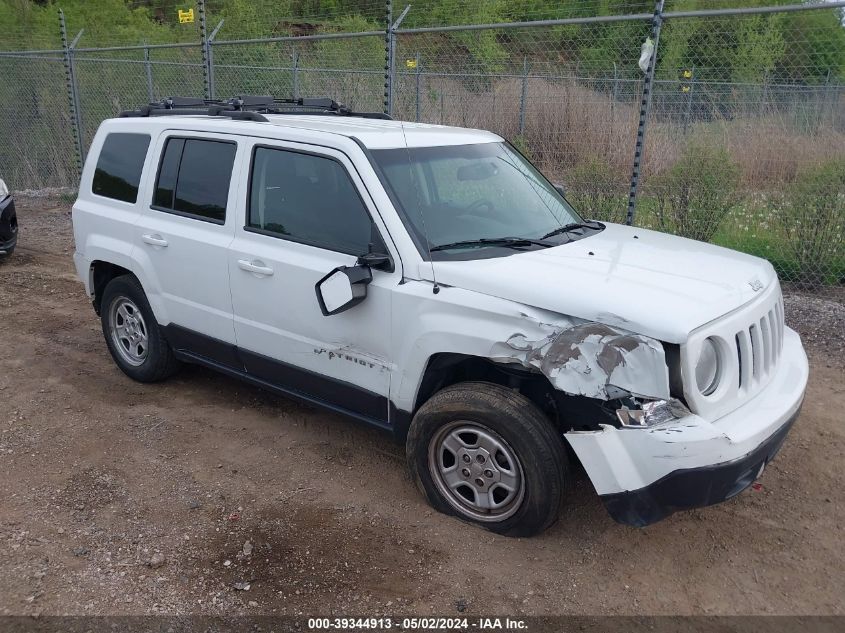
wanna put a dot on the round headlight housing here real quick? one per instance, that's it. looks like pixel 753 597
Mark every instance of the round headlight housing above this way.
pixel 708 368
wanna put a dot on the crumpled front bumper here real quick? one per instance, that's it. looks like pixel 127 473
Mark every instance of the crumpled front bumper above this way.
pixel 643 475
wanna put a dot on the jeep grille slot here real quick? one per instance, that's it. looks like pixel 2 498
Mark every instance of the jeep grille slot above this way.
pixel 743 357
pixel 766 336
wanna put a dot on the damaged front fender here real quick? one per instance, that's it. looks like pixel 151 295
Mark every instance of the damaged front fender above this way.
pixel 593 360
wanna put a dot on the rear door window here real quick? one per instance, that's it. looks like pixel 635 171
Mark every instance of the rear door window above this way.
pixel 193 178
pixel 119 166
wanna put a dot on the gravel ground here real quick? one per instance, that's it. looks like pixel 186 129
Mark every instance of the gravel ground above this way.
pixel 821 322
pixel 203 495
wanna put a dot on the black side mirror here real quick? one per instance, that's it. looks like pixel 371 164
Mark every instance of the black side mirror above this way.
pixel 561 189
pixel 343 288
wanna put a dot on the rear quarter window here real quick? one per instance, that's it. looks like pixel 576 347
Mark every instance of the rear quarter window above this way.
pixel 119 166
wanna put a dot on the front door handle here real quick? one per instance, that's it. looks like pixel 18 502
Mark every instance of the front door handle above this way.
pixel 154 239
pixel 255 266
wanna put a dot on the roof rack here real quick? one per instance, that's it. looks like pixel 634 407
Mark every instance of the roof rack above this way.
pixel 248 107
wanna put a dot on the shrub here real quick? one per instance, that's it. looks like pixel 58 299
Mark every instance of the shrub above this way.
pixel 594 189
pixel 697 192
pixel 812 217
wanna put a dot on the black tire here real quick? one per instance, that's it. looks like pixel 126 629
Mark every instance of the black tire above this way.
pixel 158 362
pixel 511 417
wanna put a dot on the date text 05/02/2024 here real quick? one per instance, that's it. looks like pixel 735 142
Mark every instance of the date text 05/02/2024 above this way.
pixel 424 623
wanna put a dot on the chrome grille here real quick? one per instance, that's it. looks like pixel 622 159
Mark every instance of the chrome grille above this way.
pixel 758 347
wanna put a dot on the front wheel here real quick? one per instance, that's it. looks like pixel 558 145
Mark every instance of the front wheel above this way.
pixel 486 454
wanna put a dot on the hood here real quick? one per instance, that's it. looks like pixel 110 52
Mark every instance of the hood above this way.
pixel 644 281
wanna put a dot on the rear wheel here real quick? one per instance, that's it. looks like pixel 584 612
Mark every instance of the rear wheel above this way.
pixel 132 332
pixel 486 454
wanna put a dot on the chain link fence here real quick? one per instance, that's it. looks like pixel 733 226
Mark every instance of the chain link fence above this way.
pixel 736 135
pixel 37 148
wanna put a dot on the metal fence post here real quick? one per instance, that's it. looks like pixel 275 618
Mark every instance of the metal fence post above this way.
pixel 614 94
pixel 148 68
pixel 206 56
pixel 391 58
pixel 72 92
pixel 212 86
pixel 418 76
pixel 388 39
pixel 690 90
pixel 442 100
pixel 295 74
pixel 825 100
pixel 522 95
pixel 645 104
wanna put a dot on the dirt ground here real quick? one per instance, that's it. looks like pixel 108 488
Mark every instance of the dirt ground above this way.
pixel 203 495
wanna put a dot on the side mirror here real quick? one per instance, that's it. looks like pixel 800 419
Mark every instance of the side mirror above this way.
pixel 343 288
pixel 560 189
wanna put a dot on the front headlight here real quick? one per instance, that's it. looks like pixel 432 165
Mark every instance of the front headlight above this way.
pixel 708 368
pixel 652 413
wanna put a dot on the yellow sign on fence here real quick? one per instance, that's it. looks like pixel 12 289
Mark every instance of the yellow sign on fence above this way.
pixel 686 80
pixel 186 17
pixel 411 63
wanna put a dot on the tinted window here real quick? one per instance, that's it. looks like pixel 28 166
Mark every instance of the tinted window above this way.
pixel 194 177
pixel 119 166
pixel 309 199
pixel 166 183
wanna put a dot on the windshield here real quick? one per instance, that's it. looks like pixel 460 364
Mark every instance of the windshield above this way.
pixel 454 194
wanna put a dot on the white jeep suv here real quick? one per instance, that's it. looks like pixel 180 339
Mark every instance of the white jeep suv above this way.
pixel 430 281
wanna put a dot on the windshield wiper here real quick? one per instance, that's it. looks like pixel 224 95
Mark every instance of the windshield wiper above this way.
pixel 567 228
pixel 506 242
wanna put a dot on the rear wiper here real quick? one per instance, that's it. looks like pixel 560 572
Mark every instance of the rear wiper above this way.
pixel 566 228
pixel 507 242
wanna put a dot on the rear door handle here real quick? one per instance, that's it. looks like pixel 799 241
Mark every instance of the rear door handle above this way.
pixel 255 266
pixel 154 239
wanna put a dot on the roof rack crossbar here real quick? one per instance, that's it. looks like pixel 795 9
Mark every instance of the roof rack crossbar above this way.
pixel 182 102
pixel 248 107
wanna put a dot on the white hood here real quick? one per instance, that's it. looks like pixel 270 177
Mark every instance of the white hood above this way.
pixel 644 281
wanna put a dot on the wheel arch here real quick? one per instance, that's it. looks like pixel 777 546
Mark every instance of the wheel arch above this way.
pixel 102 271
pixel 444 369
pixel 566 411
